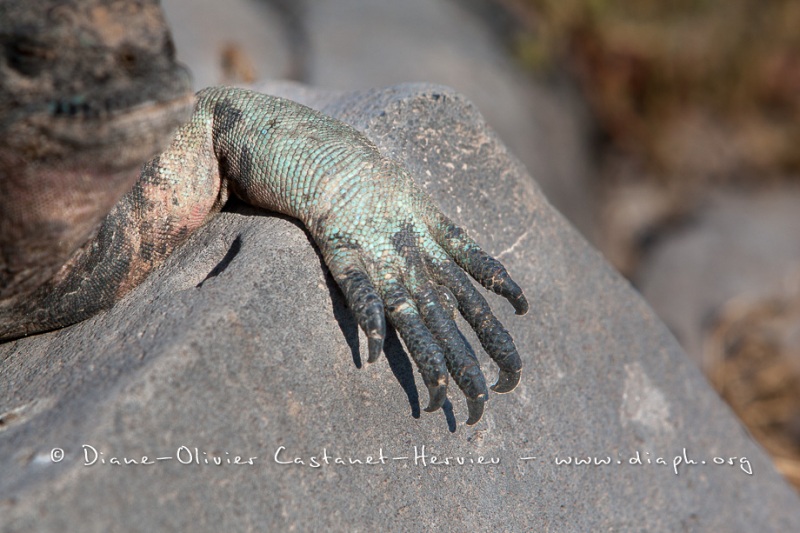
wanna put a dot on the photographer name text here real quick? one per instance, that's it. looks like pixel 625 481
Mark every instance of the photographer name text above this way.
pixel 417 456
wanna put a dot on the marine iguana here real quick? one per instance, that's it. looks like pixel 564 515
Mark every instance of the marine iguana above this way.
pixel 90 89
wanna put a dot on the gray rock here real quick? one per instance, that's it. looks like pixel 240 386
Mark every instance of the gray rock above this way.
pixel 241 345
pixel 743 244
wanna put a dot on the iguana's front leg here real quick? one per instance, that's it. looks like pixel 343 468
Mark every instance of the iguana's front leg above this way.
pixel 390 249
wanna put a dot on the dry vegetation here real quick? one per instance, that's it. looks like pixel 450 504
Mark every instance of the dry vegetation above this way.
pixel 752 357
pixel 686 94
pixel 696 89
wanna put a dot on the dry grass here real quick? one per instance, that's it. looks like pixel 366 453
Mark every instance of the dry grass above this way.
pixel 752 357
pixel 696 89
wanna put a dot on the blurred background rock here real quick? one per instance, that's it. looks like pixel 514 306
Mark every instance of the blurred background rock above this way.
pixel 670 127
pixel 695 105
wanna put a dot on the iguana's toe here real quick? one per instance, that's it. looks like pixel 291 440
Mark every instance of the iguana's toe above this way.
pixel 475 408
pixel 459 357
pixel 424 348
pixel 494 338
pixel 487 270
pixel 506 381
pixel 361 297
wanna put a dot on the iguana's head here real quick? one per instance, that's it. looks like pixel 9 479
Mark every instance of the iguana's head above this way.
pixel 89 80
pixel 89 91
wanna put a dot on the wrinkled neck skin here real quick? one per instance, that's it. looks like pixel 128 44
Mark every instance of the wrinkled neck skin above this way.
pixel 89 91
pixel 59 178
pixel 47 211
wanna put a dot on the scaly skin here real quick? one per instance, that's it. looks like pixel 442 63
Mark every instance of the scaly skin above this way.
pixel 390 249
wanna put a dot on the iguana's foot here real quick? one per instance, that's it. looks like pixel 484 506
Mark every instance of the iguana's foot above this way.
pixel 407 261
pixel 389 247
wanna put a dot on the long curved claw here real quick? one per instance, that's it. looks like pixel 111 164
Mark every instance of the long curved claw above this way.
pixel 438 395
pixel 374 325
pixel 506 381
pixel 375 348
pixel 475 408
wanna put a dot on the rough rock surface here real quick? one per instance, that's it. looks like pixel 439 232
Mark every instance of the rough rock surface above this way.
pixel 241 345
